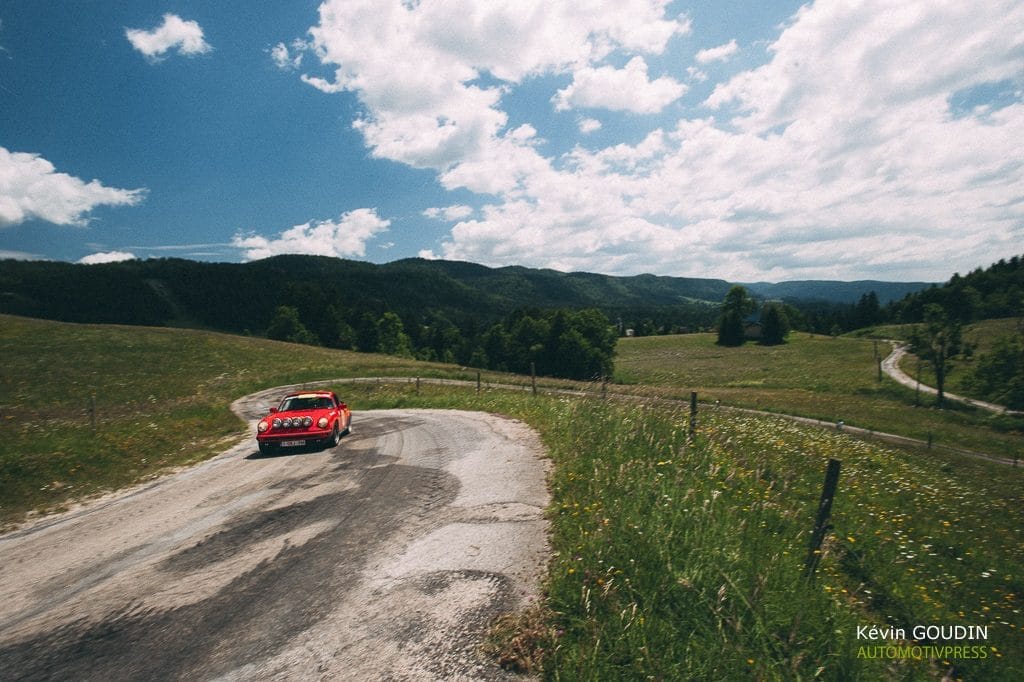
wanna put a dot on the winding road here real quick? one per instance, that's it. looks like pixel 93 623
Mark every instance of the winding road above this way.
pixel 891 366
pixel 386 557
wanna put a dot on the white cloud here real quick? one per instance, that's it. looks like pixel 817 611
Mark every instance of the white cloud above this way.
pixel 589 125
pixel 839 157
pixel 173 34
pixel 449 213
pixel 345 237
pixel 414 66
pixel 19 255
pixel 106 257
pixel 626 89
pixel 31 188
pixel 288 60
pixel 717 54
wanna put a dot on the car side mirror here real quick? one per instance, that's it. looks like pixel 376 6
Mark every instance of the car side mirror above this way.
pixel 273 410
pixel 342 406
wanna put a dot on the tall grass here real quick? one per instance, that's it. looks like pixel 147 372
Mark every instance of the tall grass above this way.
pixel 680 558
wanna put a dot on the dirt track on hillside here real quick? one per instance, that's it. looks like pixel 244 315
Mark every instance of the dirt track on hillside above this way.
pixel 384 558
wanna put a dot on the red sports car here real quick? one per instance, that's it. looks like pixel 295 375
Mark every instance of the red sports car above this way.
pixel 306 418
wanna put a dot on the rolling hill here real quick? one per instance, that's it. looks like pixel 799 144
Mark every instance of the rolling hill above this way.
pixel 241 297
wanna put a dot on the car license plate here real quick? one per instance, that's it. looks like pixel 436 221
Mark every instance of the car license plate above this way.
pixel 292 443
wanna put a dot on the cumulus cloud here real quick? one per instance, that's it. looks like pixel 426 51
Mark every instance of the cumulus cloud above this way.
pixel 589 125
pixel 717 54
pixel 415 66
pixel 839 156
pixel 31 188
pixel 626 89
pixel 174 33
pixel 106 257
pixel 346 236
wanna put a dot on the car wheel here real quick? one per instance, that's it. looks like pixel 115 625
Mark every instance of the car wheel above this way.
pixel 348 429
pixel 335 437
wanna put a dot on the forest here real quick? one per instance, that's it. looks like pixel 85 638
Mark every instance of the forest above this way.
pixel 563 324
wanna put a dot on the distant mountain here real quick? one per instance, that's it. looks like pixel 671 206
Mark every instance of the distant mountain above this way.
pixel 242 297
pixel 835 292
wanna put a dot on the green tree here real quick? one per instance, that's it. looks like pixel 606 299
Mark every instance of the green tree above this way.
pixel 286 326
pixel 496 345
pixel 999 375
pixel 737 305
pixel 936 343
pixel 393 340
pixel 774 325
pixel 367 334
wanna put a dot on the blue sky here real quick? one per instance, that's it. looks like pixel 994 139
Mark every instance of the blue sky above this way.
pixel 747 141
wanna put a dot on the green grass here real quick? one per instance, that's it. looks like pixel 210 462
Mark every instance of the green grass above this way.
pixel 673 559
pixel 679 559
pixel 813 376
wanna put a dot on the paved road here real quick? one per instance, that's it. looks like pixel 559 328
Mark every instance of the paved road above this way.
pixel 383 558
pixel 891 366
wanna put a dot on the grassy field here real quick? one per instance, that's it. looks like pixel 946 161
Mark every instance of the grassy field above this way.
pixel 813 376
pixel 674 558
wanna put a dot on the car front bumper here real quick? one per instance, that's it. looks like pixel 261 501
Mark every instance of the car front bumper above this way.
pixel 293 438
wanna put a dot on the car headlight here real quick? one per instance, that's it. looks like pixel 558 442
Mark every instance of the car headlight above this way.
pixel 263 426
pixel 277 423
pixel 307 421
pixel 321 422
pixel 287 422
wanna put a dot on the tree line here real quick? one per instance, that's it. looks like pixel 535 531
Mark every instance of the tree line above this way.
pixel 573 344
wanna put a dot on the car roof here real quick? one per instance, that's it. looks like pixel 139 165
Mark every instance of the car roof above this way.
pixel 311 394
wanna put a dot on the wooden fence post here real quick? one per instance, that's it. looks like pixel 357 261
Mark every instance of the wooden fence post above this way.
pixel 92 411
pixel 821 526
pixel 478 382
pixel 417 385
pixel 533 377
pixel 693 412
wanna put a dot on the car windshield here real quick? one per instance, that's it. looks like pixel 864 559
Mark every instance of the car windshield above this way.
pixel 305 403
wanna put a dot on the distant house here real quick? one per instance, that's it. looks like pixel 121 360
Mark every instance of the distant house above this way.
pixel 752 327
pixel 630 332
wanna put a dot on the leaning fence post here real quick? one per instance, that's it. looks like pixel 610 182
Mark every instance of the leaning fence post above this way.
pixel 821 526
